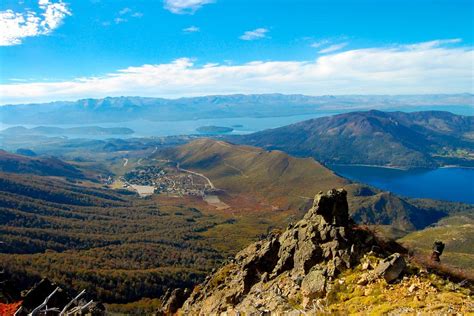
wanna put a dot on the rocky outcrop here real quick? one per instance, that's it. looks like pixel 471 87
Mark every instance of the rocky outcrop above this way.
pixel 294 268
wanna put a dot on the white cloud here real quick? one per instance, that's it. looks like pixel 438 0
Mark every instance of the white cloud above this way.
pixel 320 43
pixel 435 43
pixel 191 29
pixel 254 35
pixel 123 16
pixel 398 69
pixel 120 20
pixel 333 48
pixel 15 26
pixel 125 11
pixel 184 6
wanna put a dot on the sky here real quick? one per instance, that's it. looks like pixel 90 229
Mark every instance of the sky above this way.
pixel 66 50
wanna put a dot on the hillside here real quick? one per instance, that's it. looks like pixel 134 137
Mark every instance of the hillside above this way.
pixel 457 232
pixel 123 248
pixel 116 246
pixel 44 166
pixel 121 109
pixel 323 264
pixel 287 182
pixel 418 139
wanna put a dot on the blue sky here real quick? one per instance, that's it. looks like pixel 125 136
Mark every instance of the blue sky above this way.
pixel 173 48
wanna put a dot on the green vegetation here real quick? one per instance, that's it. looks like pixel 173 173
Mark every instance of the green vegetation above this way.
pixel 419 290
pixel 118 247
pixel 121 248
pixel 408 140
pixel 145 306
pixel 457 232
pixel 281 182
pixel 40 166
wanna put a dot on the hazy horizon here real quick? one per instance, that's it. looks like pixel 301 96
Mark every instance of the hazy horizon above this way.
pixel 55 50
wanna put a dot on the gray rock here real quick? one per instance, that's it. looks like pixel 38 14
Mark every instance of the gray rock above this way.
pixel 391 267
pixel 313 285
pixel 295 266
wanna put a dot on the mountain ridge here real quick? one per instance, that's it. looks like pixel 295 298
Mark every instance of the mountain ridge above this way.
pixel 117 109
pixel 393 139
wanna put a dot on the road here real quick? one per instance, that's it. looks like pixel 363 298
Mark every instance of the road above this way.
pixel 196 174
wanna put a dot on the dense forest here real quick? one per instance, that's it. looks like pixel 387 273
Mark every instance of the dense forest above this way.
pixel 116 246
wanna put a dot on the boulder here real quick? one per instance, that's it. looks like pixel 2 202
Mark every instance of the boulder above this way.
pixel 313 286
pixel 175 300
pixel 391 267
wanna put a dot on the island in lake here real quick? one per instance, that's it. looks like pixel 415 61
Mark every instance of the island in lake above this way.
pixel 53 130
pixel 214 129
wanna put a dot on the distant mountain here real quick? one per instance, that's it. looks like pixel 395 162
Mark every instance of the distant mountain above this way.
pixel 43 166
pixel 81 130
pixel 121 109
pixel 417 139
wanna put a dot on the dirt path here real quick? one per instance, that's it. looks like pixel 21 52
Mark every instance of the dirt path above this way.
pixel 235 168
pixel 196 174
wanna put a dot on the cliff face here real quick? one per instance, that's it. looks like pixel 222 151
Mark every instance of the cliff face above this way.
pixel 295 267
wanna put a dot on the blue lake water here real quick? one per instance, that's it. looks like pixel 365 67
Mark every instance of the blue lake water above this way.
pixel 450 184
pixel 145 128
pixel 241 125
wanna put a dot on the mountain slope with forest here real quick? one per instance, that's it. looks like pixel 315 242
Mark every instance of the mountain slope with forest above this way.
pixel 121 248
pixel 44 166
pixel 418 139
pixel 287 182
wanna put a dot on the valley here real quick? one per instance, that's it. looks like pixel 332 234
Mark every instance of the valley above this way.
pixel 228 158
pixel 127 219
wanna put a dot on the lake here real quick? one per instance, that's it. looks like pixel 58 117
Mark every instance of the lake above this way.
pixel 241 125
pixel 145 128
pixel 450 184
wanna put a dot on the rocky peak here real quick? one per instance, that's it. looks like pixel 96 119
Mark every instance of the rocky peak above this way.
pixel 272 273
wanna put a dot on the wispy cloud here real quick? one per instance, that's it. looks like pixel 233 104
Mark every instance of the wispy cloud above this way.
pixel 125 11
pixel 254 34
pixel 435 43
pixel 396 69
pixel 184 6
pixel 191 29
pixel 320 43
pixel 120 20
pixel 333 48
pixel 16 26
pixel 123 16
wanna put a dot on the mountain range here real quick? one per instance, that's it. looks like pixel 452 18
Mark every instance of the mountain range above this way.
pixel 394 139
pixel 121 109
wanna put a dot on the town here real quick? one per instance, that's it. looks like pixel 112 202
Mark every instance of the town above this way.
pixel 172 180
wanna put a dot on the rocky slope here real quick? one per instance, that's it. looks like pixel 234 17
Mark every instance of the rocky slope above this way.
pixel 318 265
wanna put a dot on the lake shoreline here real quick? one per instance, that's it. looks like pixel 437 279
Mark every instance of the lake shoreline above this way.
pixel 448 183
pixel 401 168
